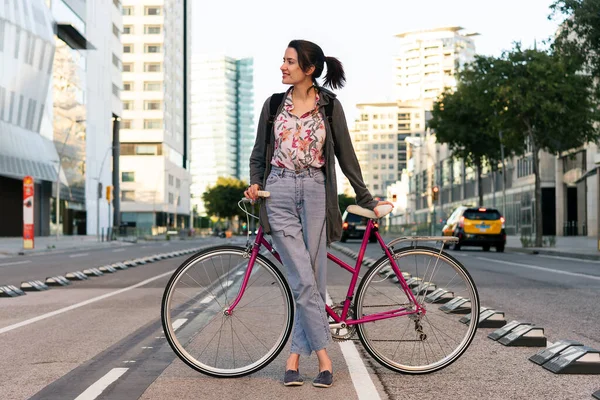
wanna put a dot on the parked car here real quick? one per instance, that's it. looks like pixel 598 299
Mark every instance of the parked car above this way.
pixel 354 227
pixel 476 227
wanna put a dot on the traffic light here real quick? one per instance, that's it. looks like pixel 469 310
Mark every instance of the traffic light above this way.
pixel 435 192
pixel 394 197
pixel 109 189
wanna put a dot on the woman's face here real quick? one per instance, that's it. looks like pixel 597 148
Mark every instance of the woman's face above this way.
pixel 291 72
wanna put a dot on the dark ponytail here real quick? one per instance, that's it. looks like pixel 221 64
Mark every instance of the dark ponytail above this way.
pixel 335 77
pixel 310 54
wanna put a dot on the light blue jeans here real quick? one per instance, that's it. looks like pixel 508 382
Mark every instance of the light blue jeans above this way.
pixel 296 211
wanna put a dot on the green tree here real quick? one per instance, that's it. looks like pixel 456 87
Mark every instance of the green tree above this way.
pixel 579 35
pixel 345 201
pixel 544 104
pixel 222 199
pixel 464 119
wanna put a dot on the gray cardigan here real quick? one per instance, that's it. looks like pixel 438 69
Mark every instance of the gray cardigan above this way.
pixel 260 163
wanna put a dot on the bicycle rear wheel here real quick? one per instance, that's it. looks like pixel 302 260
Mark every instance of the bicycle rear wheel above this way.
pixel 207 339
pixel 416 344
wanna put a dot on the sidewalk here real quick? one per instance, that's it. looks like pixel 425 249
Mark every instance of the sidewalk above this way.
pixel 583 247
pixel 12 246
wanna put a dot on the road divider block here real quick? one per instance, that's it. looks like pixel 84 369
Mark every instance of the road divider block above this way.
pixel 30 286
pixel 458 305
pixel 131 263
pixel 424 288
pixel 93 272
pixel 575 360
pixel 9 291
pixel 488 318
pixel 76 276
pixel 414 282
pixel 57 281
pixel 107 269
pixel 596 394
pixel 525 336
pixel 552 351
pixel 120 266
pixel 440 295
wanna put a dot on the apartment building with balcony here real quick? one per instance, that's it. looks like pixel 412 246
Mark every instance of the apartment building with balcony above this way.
pixel 154 151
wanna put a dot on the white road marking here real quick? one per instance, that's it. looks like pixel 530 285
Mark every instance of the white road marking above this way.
pixel 129 362
pixel 147 347
pixel 363 384
pixel 79 255
pixel 454 253
pixel 556 271
pixel 15 263
pixel 83 303
pixel 117 250
pixel 178 322
pixel 228 283
pixel 207 299
pixel 570 259
pixel 240 273
pixel 98 387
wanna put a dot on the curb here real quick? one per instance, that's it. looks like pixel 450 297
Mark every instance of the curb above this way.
pixel 538 251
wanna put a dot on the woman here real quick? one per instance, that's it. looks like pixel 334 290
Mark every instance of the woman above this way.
pixel 295 163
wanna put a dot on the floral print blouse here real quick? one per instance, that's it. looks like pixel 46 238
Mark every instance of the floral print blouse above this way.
pixel 299 140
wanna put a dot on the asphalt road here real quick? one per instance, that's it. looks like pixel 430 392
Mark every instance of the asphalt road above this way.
pixel 64 342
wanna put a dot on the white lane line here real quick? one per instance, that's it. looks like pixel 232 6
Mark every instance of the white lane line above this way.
pixel 79 255
pixel 83 303
pixel 240 273
pixel 570 259
pixel 228 283
pixel 178 322
pixel 363 384
pixel 207 299
pixel 101 384
pixel 15 263
pixel 117 250
pixel 556 271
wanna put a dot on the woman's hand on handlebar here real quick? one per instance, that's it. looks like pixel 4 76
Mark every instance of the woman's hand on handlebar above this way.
pixel 252 192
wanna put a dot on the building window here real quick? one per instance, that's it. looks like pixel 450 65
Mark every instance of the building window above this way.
pixel 116 61
pixel 127 176
pixel 153 11
pixel 152 29
pixel 126 124
pixel 127 86
pixel 128 67
pixel 128 105
pixel 127 29
pixel 127 195
pixel 116 31
pixel 146 150
pixel 178 183
pixel 171 198
pixel 152 123
pixel 127 10
pixel 178 200
pixel 152 86
pixel 152 67
pixel 115 90
pixel 127 48
pixel 117 4
pixel 152 48
pixel 170 180
pixel 152 105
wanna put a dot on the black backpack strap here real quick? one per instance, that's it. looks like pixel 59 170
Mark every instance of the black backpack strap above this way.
pixel 276 100
pixel 329 116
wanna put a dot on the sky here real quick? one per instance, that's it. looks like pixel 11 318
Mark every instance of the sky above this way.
pixel 360 33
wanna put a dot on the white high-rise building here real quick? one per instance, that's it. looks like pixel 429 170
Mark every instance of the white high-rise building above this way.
pixel 427 62
pixel 154 161
pixel 222 121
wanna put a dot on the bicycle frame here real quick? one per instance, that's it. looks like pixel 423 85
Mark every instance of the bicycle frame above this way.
pixel 261 241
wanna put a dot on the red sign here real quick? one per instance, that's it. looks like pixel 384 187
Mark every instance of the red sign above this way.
pixel 28 231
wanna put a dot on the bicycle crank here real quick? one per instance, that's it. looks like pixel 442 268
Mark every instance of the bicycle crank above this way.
pixel 340 331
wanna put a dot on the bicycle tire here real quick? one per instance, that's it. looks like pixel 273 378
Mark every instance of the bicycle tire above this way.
pixel 274 280
pixel 367 331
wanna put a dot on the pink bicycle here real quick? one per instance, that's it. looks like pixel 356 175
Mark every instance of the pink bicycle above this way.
pixel 228 311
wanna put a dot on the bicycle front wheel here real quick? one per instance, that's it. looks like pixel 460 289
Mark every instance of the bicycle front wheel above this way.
pixel 416 344
pixel 200 332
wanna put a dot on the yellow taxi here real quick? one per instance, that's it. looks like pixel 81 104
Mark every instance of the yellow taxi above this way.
pixel 476 227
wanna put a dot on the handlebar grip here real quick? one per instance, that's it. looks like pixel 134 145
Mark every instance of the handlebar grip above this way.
pixel 263 193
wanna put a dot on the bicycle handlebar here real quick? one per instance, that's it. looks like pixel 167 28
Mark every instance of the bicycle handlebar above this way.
pixel 261 193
